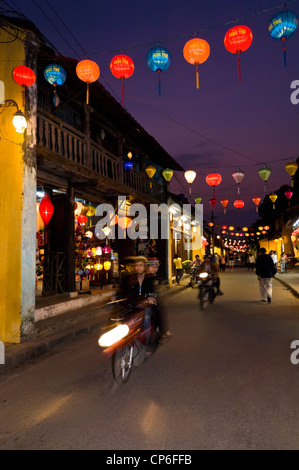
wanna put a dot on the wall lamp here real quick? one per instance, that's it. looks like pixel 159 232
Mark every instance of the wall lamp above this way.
pixel 19 120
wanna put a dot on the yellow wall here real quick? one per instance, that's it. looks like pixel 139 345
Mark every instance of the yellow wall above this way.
pixel 11 167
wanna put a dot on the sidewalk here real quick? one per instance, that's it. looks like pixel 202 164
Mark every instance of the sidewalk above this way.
pixel 290 279
pixel 55 331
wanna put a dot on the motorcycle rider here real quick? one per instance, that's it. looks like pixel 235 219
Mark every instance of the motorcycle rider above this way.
pixel 212 268
pixel 196 262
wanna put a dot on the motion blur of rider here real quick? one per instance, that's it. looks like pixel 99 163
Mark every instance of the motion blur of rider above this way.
pixel 212 267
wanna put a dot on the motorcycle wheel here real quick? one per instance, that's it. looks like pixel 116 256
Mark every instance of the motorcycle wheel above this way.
pixel 121 365
pixel 193 282
pixel 204 298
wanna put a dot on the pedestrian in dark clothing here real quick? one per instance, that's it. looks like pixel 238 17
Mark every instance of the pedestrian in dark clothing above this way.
pixel 265 270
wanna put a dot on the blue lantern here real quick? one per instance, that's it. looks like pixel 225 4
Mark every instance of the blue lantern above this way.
pixel 282 26
pixel 55 75
pixel 128 165
pixel 158 60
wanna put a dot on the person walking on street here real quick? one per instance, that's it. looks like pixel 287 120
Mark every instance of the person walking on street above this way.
pixel 251 260
pixel 222 263
pixel 178 269
pixel 274 257
pixel 265 270
pixel 231 261
pixel 283 263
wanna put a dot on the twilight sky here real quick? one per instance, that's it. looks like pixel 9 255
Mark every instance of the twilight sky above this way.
pixel 225 125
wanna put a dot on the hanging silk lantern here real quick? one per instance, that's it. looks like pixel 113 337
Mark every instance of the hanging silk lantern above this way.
pixel 128 165
pixel 129 155
pixel 266 227
pixel 245 229
pixel 256 201
pixel 98 266
pixel 224 203
pixel 23 75
pixel 99 251
pixel 106 250
pixel 167 175
pixel 107 266
pixel 78 208
pixel 291 168
pixel 273 198
pixel 213 179
pixel 196 51
pixel 82 219
pixel 224 227
pixel 264 173
pixel 124 222
pixel 198 199
pixel 190 176
pixel 39 221
pixel 56 76
pixel 46 209
pixel 158 60
pixel 288 194
pixel 238 177
pixel 237 40
pixel 88 71
pixel 150 170
pixel 88 234
pixel 282 26
pixel 231 228
pixel 239 204
pixel 213 202
pixel 122 67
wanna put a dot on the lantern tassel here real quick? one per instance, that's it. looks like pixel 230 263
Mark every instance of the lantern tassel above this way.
pixel 256 209
pixel 87 94
pixel 197 77
pixel 284 52
pixel 239 68
pixel 123 91
pixel 238 189
pixel 159 83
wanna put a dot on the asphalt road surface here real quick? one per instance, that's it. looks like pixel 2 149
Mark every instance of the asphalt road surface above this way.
pixel 224 381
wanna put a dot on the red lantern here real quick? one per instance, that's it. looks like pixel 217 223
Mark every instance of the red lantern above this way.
pixel 196 51
pixel 238 39
pixel 88 71
pixel 23 75
pixel 46 209
pixel 239 204
pixel 256 201
pixel 82 219
pixel 213 202
pixel 213 179
pixel 122 67
pixel 224 203
pixel 288 194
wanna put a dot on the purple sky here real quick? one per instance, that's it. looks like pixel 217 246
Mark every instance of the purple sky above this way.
pixel 223 126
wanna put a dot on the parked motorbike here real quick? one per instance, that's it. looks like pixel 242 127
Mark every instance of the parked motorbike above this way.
pixel 206 293
pixel 194 276
pixel 125 337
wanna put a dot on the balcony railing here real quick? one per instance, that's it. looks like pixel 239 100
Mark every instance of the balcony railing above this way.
pixel 65 141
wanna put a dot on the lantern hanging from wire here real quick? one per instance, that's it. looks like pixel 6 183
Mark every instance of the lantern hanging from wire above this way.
pixel 273 198
pixel 122 67
pixel 190 176
pixel 224 203
pixel 239 204
pixel 264 173
pixel 167 175
pixel 46 209
pixel 88 71
pixel 23 76
pixel 56 76
pixel 150 170
pixel 282 26
pixel 82 219
pixel 213 202
pixel 256 201
pixel 128 165
pixel 198 199
pixel 213 179
pixel 124 222
pixel 288 194
pixel 237 40
pixel 158 60
pixel 291 168
pixel 238 177
pixel 196 51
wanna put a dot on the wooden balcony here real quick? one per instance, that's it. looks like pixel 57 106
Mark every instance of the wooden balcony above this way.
pixel 70 150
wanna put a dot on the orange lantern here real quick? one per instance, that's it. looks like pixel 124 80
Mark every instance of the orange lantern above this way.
pixel 224 203
pixel 88 71
pixel 122 67
pixel 196 51
pixel 238 39
pixel 124 222
pixel 239 204
pixel 256 201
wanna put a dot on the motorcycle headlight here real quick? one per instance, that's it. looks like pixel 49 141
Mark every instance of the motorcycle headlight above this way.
pixel 114 335
pixel 203 275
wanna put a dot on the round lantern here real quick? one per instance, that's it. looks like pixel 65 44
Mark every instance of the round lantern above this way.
pixel 107 266
pixel 239 204
pixel 273 198
pixel 98 266
pixel 56 76
pixel 256 201
pixel 82 219
pixel 88 71
pixel 99 251
pixel 214 179
pixel 198 199
pixel 122 67
pixel 231 228
pixel 23 75
pixel 88 234
pixel 291 168
pixel 237 40
pixel 78 208
pixel 190 177
pixel 224 203
pixel 282 26
pixel 264 173
pixel 288 194
pixel 238 177
pixel 46 209
pixel 196 51
pixel 128 165
pixel 266 227
pixel 158 60
pixel 150 170
pixel 106 250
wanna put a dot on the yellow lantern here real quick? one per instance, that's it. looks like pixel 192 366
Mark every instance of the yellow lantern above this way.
pixel 231 228
pixel 261 228
pixel 291 168
pixel 190 177
pixel 245 229
pixel 273 198
pixel 91 211
pixel 129 155
pixel 150 171
pixel 107 266
pixel 98 267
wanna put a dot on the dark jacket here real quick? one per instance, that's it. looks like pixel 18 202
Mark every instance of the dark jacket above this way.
pixel 265 266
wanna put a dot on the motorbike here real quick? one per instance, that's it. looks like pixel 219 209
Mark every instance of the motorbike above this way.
pixel 206 293
pixel 127 338
pixel 194 276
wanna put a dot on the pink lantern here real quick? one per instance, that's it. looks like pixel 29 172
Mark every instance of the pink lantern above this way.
pixel 288 194
pixel 106 250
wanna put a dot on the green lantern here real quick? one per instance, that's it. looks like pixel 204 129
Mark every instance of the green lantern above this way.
pixel 167 174
pixel 198 199
pixel 264 173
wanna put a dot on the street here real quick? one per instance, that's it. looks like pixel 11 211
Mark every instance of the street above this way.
pixel 223 381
